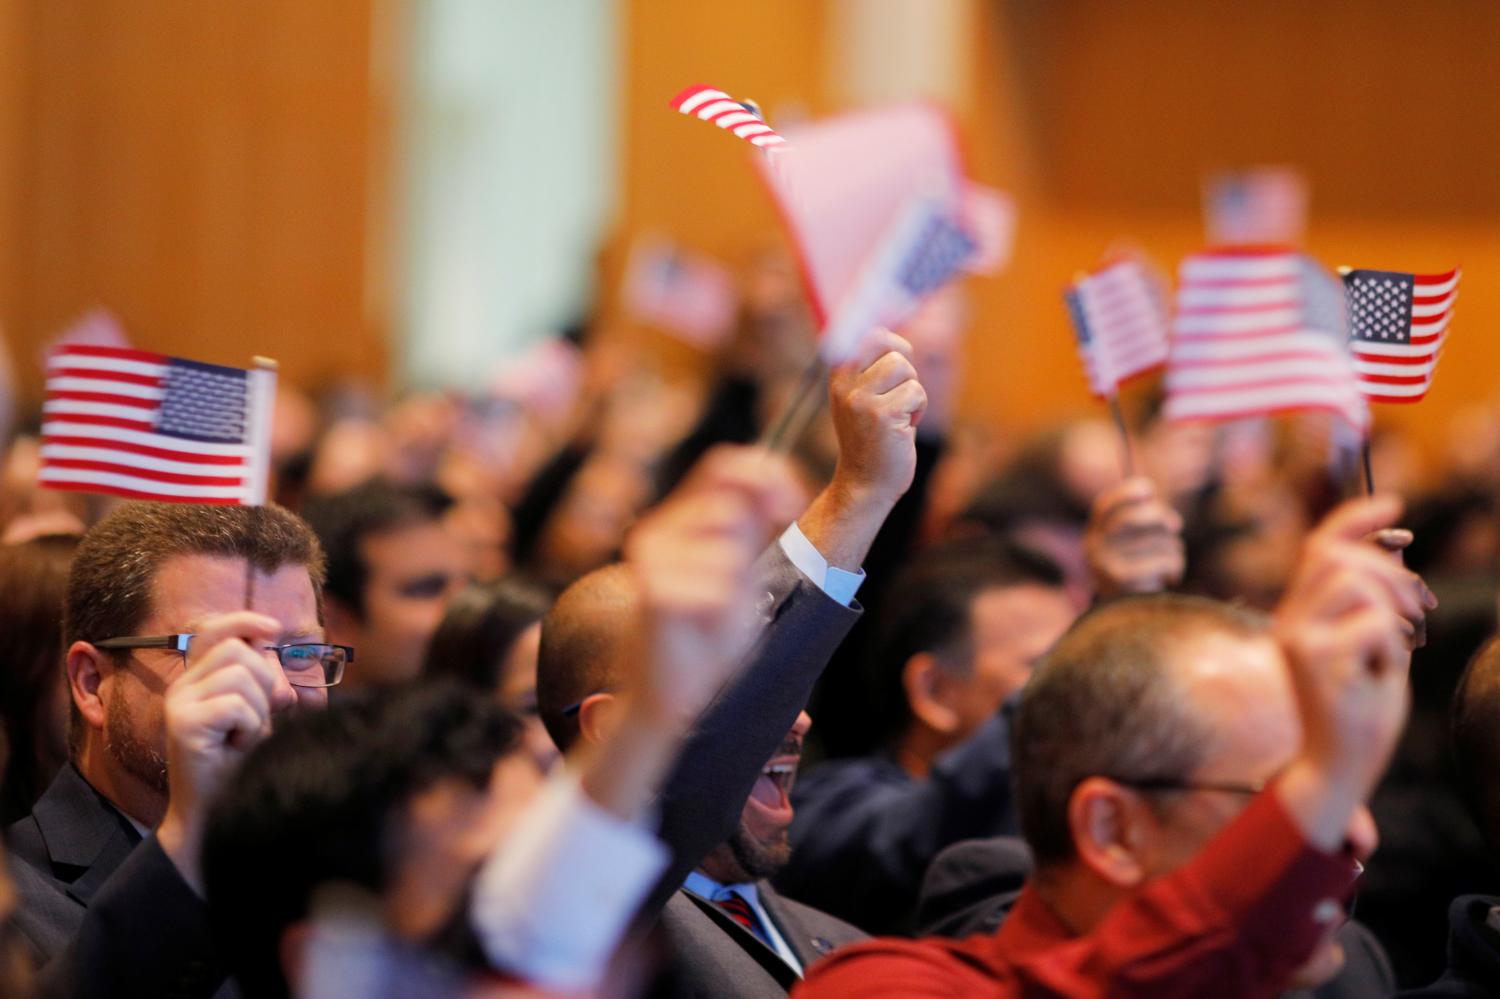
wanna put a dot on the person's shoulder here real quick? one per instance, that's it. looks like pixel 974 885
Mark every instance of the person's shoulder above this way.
pixel 893 966
pixel 1473 952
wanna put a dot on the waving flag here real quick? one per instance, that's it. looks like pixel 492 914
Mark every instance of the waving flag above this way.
pixel 1398 323
pixel 1259 332
pixel 687 294
pixel 740 118
pixel 148 426
pixel 1120 318
pixel 1261 206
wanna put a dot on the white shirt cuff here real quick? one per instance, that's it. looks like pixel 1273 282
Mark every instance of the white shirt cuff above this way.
pixel 839 584
pixel 552 902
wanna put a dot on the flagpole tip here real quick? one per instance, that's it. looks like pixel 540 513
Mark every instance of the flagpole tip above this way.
pixel 265 363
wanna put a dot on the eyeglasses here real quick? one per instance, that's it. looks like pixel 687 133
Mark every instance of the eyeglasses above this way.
pixel 306 664
pixel 1169 784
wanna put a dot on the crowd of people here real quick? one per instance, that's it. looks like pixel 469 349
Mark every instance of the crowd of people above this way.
pixel 577 688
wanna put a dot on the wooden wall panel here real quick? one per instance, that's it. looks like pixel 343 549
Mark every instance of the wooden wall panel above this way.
pixel 201 169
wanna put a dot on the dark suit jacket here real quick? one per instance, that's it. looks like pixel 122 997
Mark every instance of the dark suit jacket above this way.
pixel 865 831
pixel 105 913
pixel 710 956
pixel 1473 968
pixel 953 904
pixel 705 793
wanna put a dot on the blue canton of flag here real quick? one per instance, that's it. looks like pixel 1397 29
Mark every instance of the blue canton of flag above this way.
pixel 1080 320
pixel 203 402
pixel 935 257
pixel 1380 305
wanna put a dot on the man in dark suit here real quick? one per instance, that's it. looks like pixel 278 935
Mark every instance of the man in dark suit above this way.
pixel 809 580
pixel 727 931
pixel 106 865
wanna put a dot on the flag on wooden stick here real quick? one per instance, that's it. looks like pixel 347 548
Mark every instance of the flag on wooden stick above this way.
pixel 1398 323
pixel 149 426
pixel 1119 315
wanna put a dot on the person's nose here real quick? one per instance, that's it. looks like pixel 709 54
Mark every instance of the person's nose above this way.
pixel 283 696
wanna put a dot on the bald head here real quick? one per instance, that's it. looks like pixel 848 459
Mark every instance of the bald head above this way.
pixel 1476 738
pixel 586 638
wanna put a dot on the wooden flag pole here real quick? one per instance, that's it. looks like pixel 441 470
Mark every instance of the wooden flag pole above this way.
pixel 1119 416
pixel 262 396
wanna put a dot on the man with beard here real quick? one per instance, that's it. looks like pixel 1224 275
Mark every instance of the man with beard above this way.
pixel 187 629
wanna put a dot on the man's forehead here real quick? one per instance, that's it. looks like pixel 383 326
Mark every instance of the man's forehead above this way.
pixel 1238 684
pixel 189 588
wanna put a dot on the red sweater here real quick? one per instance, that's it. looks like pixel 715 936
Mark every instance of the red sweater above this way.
pixel 1235 921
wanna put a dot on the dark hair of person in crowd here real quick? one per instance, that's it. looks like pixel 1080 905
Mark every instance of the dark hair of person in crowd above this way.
pixel 33 694
pixel 1476 739
pixel 1031 489
pixel 928 608
pixel 320 802
pixel 1104 702
pixel 481 626
pixel 113 576
pixel 343 520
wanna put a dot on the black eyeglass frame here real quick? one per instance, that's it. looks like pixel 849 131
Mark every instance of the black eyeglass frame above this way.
pixel 1171 784
pixel 180 642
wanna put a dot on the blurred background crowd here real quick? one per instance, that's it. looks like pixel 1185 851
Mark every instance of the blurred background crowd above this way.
pixel 444 220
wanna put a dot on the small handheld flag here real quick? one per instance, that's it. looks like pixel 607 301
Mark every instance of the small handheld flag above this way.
pixel 1258 332
pixel 1398 323
pixel 686 294
pixel 1257 207
pixel 740 118
pixel 1119 315
pixel 149 426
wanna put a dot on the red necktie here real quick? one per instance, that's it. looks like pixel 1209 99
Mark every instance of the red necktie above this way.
pixel 740 911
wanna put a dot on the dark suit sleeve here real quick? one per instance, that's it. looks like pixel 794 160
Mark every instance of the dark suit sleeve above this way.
pixel 702 799
pixel 860 849
pixel 146 933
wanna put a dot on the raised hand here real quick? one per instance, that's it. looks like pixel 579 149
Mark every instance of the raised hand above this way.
pixel 877 402
pixel 216 711
pixel 692 558
pixel 1133 540
pixel 1345 624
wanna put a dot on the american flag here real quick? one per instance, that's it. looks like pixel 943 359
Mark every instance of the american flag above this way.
pixel 686 294
pixel 1259 332
pixel 1261 206
pixel 148 426
pixel 1120 317
pixel 1397 324
pixel 923 250
pixel 741 118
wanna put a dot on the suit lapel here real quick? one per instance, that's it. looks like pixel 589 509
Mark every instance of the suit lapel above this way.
pixel 81 831
pixel 767 958
pixel 801 938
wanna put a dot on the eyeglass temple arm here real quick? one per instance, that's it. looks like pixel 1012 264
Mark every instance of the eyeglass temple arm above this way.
pixel 178 643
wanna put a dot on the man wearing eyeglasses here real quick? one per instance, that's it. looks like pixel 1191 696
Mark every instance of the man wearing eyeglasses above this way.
pixel 188 630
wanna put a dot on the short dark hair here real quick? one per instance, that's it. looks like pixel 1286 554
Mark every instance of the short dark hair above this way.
pixel 343 521
pixel 320 800
pixel 114 569
pixel 928 608
pixel 1104 703
pixel 583 633
pixel 480 626
pixel 1476 738
pixel 113 575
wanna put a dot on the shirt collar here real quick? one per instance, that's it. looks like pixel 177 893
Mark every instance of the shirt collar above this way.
pixel 701 884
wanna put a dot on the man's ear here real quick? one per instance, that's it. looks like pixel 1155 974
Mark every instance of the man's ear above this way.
pixel 1110 831
pixel 928 693
pixel 598 715
pixel 86 668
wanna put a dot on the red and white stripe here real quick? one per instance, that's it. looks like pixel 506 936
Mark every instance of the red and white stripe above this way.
pixel 1127 323
pixel 711 105
pixel 1242 345
pixel 1402 372
pixel 99 433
